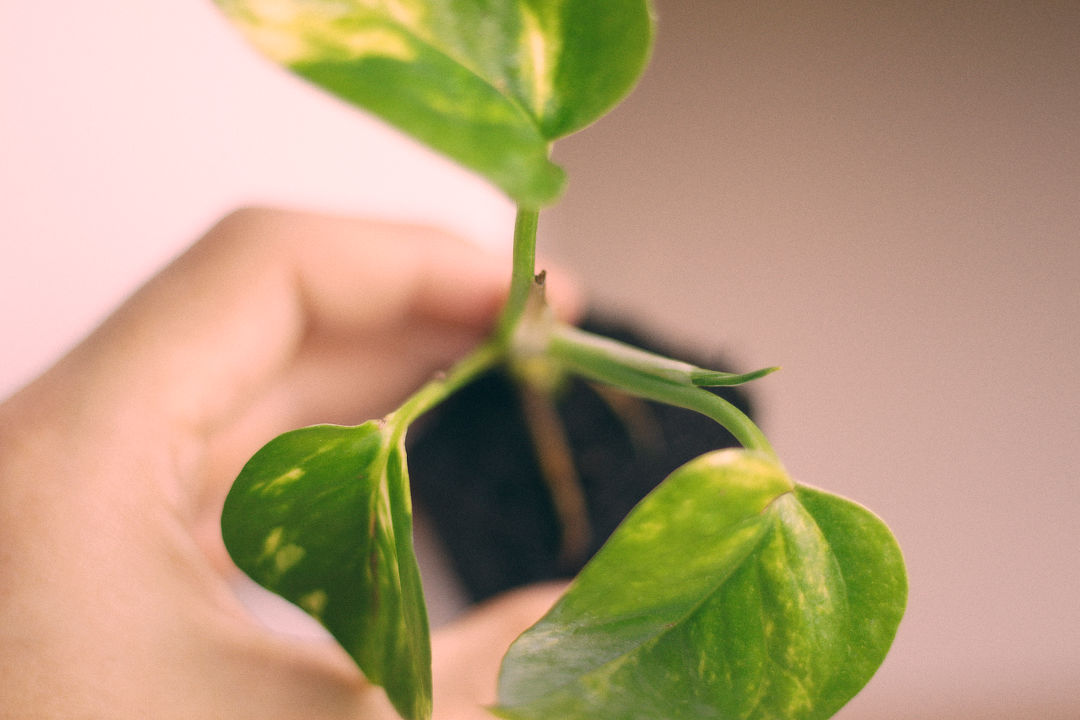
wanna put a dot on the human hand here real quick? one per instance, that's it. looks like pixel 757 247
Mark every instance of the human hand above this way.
pixel 114 600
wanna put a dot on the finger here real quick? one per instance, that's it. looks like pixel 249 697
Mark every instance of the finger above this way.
pixel 466 654
pixel 426 300
pixel 201 340
pixel 273 279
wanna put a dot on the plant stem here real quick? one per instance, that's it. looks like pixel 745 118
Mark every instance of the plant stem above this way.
pixel 633 370
pixel 598 348
pixel 497 347
pixel 649 376
pixel 438 389
pixel 522 273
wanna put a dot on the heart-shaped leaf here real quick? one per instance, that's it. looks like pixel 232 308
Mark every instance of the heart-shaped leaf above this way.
pixel 729 592
pixel 322 517
pixel 490 83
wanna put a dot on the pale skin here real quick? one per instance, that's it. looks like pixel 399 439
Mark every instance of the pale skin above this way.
pixel 114 600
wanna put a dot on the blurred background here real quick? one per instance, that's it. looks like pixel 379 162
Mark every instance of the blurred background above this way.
pixel 883 198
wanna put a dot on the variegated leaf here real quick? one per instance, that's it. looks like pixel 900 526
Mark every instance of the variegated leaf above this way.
pixel 728 593
pixel 490 83
pixel 322 517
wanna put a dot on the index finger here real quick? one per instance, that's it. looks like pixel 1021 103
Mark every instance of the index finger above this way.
pixel 197 343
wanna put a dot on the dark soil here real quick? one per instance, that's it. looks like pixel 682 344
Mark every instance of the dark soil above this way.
pixel 474 470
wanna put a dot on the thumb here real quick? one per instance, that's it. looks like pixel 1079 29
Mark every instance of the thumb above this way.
pixel 467 653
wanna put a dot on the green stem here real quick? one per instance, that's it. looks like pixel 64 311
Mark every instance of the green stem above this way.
pixel 649 376
pixel 497 347
pixel 522 273
pixel 603 349
pixel 658 366
pixel 636 371
pixel 435 391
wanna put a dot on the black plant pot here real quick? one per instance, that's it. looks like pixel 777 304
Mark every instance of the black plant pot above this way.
pixel 474 470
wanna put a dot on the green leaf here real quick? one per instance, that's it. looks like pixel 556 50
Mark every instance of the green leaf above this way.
pixel 322 517
pixel 714 378
pixel 490 83
pixel 729 592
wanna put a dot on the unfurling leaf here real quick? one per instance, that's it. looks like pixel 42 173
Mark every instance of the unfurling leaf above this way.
pixel 712 378
pixel 322 517
pixel 729 592
pixel 490 83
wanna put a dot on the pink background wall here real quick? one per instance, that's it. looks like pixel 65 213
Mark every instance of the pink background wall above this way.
pixel 882 197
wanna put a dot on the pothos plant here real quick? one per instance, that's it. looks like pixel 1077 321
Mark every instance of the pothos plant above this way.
pixel 731 591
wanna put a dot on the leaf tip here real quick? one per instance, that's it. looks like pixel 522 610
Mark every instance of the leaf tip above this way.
pixel 711 378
